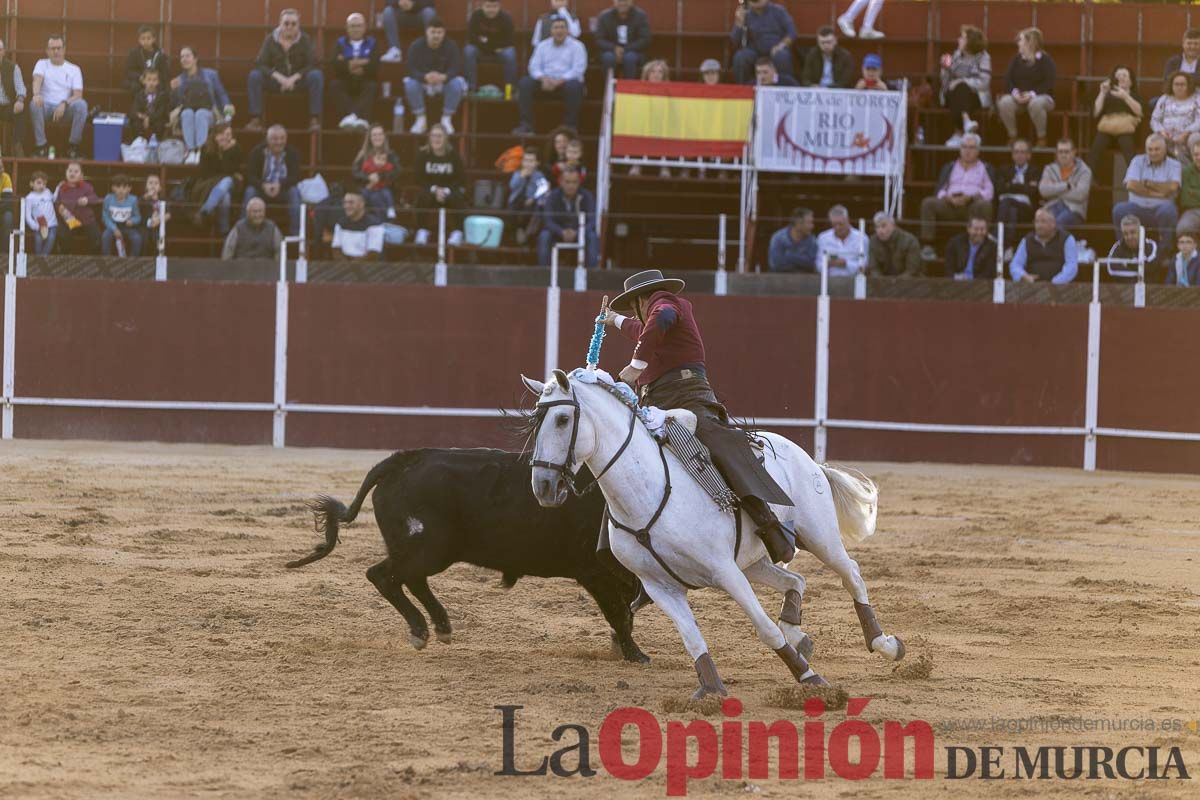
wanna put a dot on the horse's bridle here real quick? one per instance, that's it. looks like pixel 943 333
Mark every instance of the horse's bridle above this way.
pixel 564 469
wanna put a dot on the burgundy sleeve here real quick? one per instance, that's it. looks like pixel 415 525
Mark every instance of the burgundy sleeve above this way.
pixel 661 317
pixel 631 329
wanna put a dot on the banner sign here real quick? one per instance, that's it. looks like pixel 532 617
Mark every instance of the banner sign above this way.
pixel 830 131
pixel 681 120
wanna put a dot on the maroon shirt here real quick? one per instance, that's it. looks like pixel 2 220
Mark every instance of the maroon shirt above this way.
pixel 668 340
pixel 68 195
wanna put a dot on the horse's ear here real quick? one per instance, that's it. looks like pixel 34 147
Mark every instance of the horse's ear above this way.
pixel 561 377
pixel 533 386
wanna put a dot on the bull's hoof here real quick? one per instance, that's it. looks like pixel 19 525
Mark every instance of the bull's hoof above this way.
pixel 418 642
pixel 805 647
pixel 638 658
pixel 443 637
pixel 815 680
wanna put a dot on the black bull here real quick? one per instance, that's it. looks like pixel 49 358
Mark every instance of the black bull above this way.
pixel 438 507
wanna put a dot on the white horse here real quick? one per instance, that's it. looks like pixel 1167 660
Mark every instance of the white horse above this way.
pixel 665 528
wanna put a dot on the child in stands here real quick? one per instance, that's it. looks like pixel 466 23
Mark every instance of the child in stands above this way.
pixel 1185 271
pixel 146 56
pixel 148 208
pixel 527 189
pixel 572 157
pixel 77 202
pixel 122 222
pixel 151 109
pixel 39 214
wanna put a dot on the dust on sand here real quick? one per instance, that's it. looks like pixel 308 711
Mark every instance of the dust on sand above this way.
pixel 154 645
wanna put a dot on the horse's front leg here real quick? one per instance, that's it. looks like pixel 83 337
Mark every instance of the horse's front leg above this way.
pixel 672 599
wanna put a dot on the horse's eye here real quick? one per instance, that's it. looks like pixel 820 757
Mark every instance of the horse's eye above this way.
pixel 561 422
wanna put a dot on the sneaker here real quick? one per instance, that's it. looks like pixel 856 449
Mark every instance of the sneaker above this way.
pixel 392 56
pixel 522 237
pixel 192 157
pixel 455 238
pixel 349 121
pixel 447 124
pixel 420 126
pixel 846 26
pixel 41 152
pixel 971 126
pixel 635 170
pixel 314 124
pixel 422 237
pixel 522 130
pixel 870 33
pixel 927 253
pixel 1008 253
pixel 955 140
pixel 73 151
pixel 361 124
pixel 391 213
pixel 254 125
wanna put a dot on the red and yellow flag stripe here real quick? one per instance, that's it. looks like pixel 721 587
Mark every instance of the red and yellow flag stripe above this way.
pixel 681 119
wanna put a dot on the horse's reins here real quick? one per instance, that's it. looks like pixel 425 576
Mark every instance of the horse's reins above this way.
pixel 564 469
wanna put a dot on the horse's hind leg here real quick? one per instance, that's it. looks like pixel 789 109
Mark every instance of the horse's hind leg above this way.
pixel 888 646
pixel 672 599
pixel 383 575
pixel 791 585
pixel 437 612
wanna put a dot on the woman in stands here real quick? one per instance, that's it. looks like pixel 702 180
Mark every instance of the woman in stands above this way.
pixel 966 81
pixel 78 205
pixel 221 164
pixel 555 150
pixel 1118 111
pixel 656 71
pixel 376 169
pixel 1177 115
pixel 201 99
pixel 442 183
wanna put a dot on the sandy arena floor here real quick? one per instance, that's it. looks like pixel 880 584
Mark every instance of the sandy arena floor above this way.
pixel 152 645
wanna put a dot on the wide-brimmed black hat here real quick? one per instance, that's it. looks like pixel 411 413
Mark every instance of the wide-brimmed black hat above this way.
pixel 645 282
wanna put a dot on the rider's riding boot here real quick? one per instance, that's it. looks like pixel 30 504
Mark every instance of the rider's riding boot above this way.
pixel 770 530
pixel 641 598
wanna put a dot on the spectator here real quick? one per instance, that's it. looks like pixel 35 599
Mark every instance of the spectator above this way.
pixel 442 183
pixel 556 68
pixel 148 208
pixel 1047 254
pixel 762 28
pixel 1153 179
pixel 1185 271
pixel 558 10
pixel 828 65
pixel 434 67
pixel 623 36
pixel 966 81
pixel 1030 85
pixel 357 236
pixel 490 37
pixel 12 101
pixel 1177 115
pixel 572 159
pixel 560 219
pixel 765 74
pixel 355 74
pixel 1118 112
pixel 151 109
pixel 221 177
pixel 964 190
pixel 555 150
pixel 846 21
pixel 201 99
pixel 377 168
pixel 1065 185
pixel 872 74
pixel 1189 193
pixel 255 236
pixel 146 56
pixel 793 247
pixel 77 202
pixel 1185 61
pixel 1017 189
pixel 972 254
pixel 286 60
pixel 892 250
pixel 406 15
pixel 1125 250
pixel 122 222
pixel 656 71
pixel 6 207
pixel 40 216
pixel 527 190
pixel 844 246
pixel 710 72
pixel 57 95
pixel 272 172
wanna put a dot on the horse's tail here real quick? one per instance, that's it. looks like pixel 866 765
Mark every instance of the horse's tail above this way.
pixel 329 512
pixel 856 498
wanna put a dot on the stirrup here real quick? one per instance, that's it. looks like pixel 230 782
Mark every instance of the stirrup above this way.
pixel 641 599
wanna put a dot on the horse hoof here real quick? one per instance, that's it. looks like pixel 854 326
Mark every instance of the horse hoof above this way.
pixel 815 680
pixel 900 649
pixel 702 693
pixel 418 642
pixel 805 647
pixel 890 647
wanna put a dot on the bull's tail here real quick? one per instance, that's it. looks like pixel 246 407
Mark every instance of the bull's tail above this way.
pixel 329 513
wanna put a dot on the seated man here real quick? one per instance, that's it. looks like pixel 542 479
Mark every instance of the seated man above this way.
pixel 827 65
pixel 964 190
pixel 893 251
pixel 794 248
pixel 1153 180
pixel 254 236
pixel 766 75
pixel 1065 185
pixel 555 68
pixel 355 70
pixel 434 67
pixel 357 235
pixel 1017 190
pixel 57 95
pixel 1189 193
pixel 972 254
pixel 843 245
pixel 12 102
pixel 560 219
pixel 761 28
pixel 622 35
pixel 272 172
pixel 286 60
pixel 404 15
pixel 1125 249
pixel 490 33
pixel 1047 254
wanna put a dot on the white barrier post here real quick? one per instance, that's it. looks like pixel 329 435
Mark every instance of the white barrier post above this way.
pixel 10 340
pixel 998 283
pixel 439 269
pixel 860 277
pixel 22 258
pixel 580 255
pixel 160 259
pixel 1092 396
pixel 1139 289
pixel 278 424
pixel 721 281
pixel 302 255
pixel 821 398
pixel 552 311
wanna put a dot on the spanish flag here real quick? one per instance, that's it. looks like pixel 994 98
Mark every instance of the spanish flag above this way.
pixel 693 120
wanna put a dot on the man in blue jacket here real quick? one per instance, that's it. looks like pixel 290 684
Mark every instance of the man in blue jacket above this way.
pixel 560 219
pixel 761 28
pixel 435 66
pixel 623 35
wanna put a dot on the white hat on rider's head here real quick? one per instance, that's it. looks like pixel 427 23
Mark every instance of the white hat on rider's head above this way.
pixel 645 282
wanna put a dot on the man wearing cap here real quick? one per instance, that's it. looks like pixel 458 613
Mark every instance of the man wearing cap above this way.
pixel 668 369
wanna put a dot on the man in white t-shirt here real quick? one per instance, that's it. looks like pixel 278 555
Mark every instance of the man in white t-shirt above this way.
pixel 57 95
